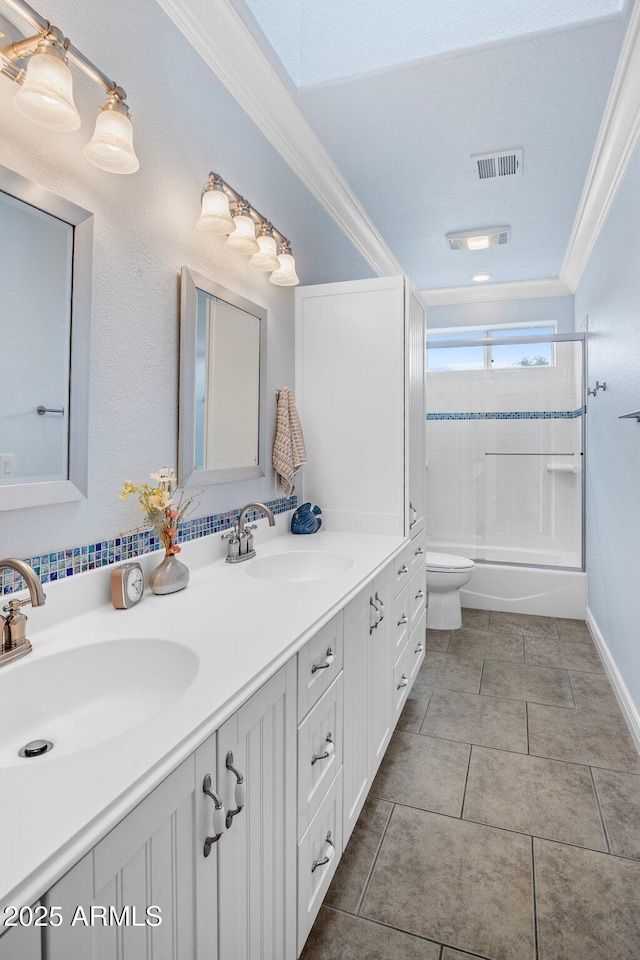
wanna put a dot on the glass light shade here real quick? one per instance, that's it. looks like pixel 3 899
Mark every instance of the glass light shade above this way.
pixel 215 217
pixel 478 243
pixel 267 258
pixel 243 238
pixel 46 96
pixel 286 275
pixel 111 146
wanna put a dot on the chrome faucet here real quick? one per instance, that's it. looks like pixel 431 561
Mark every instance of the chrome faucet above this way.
pixel 240 540
pixel 14 642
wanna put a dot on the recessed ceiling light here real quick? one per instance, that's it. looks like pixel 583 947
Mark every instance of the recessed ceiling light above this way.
pixel 481 277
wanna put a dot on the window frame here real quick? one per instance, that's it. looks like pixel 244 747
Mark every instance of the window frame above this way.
pixel 482 338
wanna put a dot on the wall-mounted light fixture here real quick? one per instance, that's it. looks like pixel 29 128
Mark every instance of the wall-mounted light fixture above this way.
pixel 40 66
pixel 239 225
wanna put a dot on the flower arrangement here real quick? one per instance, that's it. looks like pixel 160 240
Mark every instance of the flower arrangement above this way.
pixel 164 504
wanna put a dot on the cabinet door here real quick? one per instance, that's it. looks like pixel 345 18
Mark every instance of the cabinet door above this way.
pixel 152 857
pixel 358 629
pixel 380 691
pixel 257 854
pixel 21 943
pixel 416 422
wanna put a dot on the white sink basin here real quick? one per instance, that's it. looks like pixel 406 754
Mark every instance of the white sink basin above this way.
pixel 79 698
pixel 298 566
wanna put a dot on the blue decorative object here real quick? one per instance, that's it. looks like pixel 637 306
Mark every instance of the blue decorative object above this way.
pixel 306 520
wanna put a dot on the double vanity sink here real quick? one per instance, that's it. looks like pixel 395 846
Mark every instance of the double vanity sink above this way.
pixel 125 696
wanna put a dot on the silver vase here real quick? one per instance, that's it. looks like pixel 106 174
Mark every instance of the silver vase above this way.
pixel 170 576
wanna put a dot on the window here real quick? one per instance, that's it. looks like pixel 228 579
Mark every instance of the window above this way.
pixel 495 356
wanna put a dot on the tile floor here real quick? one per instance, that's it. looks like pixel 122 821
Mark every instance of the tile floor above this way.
pixel 504 822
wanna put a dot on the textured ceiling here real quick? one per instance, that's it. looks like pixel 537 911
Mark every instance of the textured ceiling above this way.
pixel 403 140
pixel 320 40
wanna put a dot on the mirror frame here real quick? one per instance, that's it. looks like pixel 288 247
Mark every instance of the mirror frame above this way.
pixel 17 495
pixel 191 282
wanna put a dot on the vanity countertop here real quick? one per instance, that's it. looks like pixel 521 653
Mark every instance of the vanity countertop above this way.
pixel 241 629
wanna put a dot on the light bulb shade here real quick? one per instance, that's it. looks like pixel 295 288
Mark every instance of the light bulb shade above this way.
pixel 267 257
pixel 46 96
pixel 478 243
pixel 243 239
pixel 215 216
pixel 286 275
pixel 111 146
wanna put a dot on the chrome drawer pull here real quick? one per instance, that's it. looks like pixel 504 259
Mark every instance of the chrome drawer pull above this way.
pixel 419 648
pixel 403 682
pixel 218 815
pixel 240 794
pixel 419 552
pixel 328 856
pixel 419 595
pixel 374 626
pixel 378 600
pixel 331 748
pixel 403 569
pixel 324 666
pixel 415 516
pixel 402 620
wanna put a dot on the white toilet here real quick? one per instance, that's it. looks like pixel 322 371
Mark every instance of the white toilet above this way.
pixel 445 576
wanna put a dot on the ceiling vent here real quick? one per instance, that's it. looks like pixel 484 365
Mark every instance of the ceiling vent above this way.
pixel 505 163
pixel 478 239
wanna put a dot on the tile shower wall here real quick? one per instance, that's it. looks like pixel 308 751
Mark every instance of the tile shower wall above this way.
pixel 508 508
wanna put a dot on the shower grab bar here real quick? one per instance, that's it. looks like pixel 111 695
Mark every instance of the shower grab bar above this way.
pixel 634 415
pixel 536 454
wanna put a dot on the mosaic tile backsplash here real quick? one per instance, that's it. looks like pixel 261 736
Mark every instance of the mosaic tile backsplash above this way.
pixel 66 563
pixel 519 415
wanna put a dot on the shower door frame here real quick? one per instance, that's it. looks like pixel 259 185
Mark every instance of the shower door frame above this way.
pixel 542 338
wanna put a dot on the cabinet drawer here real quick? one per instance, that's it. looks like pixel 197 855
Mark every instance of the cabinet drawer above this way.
pixel 417 552
pixel 401 682
pixel 314 875
pixel 322 726
pixel 417 596
pixel 416 649
pixel 401 621
pixel 319 663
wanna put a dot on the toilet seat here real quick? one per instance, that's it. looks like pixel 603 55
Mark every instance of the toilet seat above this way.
pixel 444 563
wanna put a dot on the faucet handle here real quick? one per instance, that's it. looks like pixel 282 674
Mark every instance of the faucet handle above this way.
pixel 14 605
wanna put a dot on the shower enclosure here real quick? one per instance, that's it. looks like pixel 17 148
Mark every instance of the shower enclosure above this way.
pixel 505 446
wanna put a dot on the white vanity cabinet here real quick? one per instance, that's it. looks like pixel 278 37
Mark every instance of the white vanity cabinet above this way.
pixel 21 943
pixel 153 857
pixel 360 391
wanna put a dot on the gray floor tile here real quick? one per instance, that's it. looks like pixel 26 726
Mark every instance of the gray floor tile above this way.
pixel 415 708
pixel 620 802
pixel 478 619
pixel 594 692
pixel 520 623
pixel 545 798
pixel 448 954
pixel 484 643
pixel 573 630
pixel 438 640
pixel 588 904
pixel 459 883
pixel 582 736
pixel 451 673
pixel 570 654
pixel 518 681
pixel 339 936
pixel 357 860
pixel 423 772
pixel 475 719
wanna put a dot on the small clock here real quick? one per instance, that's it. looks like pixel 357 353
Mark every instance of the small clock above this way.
pixel 127 586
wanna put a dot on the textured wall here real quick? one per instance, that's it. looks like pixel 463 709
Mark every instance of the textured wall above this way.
pixel 185 125
pixel 610 294
pixel 535 310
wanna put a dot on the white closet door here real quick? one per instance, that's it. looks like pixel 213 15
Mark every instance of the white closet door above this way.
pixel 350 394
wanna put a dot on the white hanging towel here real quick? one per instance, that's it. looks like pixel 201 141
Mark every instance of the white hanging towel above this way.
pixel 288 447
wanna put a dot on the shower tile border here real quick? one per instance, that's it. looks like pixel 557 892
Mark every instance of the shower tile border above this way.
pixel 519 415
pixel 60 564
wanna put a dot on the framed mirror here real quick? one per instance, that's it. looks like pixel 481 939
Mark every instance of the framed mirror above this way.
pixel 45 279
pixel 221 436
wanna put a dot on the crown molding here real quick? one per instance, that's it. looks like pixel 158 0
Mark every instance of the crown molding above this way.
pixel 220 36
pixel 617 140
pixel 481 293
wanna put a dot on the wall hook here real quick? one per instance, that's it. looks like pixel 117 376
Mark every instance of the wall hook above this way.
pixel 598 386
